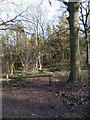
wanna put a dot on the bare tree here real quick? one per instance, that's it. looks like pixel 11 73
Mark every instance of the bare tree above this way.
pixel 84 11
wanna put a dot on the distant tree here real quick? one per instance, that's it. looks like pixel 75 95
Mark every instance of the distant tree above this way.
pixel 63 27
pixel 84 14
pixel 59 41
pixel 13 46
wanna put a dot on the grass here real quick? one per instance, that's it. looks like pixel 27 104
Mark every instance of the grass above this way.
pixel 58 68
pixel 15 79
pixel 39 72
pixel 47 68
pixel 37 79
pixel 52 68
pixel 20 73
pixel 19 76
pixel 87 78
pixel 84 66
pixel 64 68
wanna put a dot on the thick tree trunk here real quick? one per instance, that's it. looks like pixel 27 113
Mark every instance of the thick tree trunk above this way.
pixel 73 19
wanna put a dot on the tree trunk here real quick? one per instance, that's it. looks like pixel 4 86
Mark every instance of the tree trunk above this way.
pixel 39 59
pixel 88 47
pixel 36 66
pixel 88 50
pixel 73 19
pixel 12 68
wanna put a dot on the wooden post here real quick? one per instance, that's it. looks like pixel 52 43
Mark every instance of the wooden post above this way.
pixel 50 80
pixel 7 80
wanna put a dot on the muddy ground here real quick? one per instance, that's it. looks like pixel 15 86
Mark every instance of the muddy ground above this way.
pixel 36 98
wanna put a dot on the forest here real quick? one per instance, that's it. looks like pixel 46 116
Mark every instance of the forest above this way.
pixel 45 62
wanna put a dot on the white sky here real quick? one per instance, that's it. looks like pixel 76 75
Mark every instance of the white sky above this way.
pixel 9 8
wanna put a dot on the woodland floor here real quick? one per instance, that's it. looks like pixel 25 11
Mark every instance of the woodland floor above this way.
pixel 35 98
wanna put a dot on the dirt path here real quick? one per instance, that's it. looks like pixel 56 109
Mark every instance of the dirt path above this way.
pixel 37 99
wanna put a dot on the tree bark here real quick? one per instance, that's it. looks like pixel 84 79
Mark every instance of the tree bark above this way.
pixel 36 66
pixel 73 8
pixel 12 68
pixel 88 47
pixel 39 59
pixel 88 50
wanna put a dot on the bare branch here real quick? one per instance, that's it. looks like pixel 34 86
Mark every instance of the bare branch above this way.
pixel 13 19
